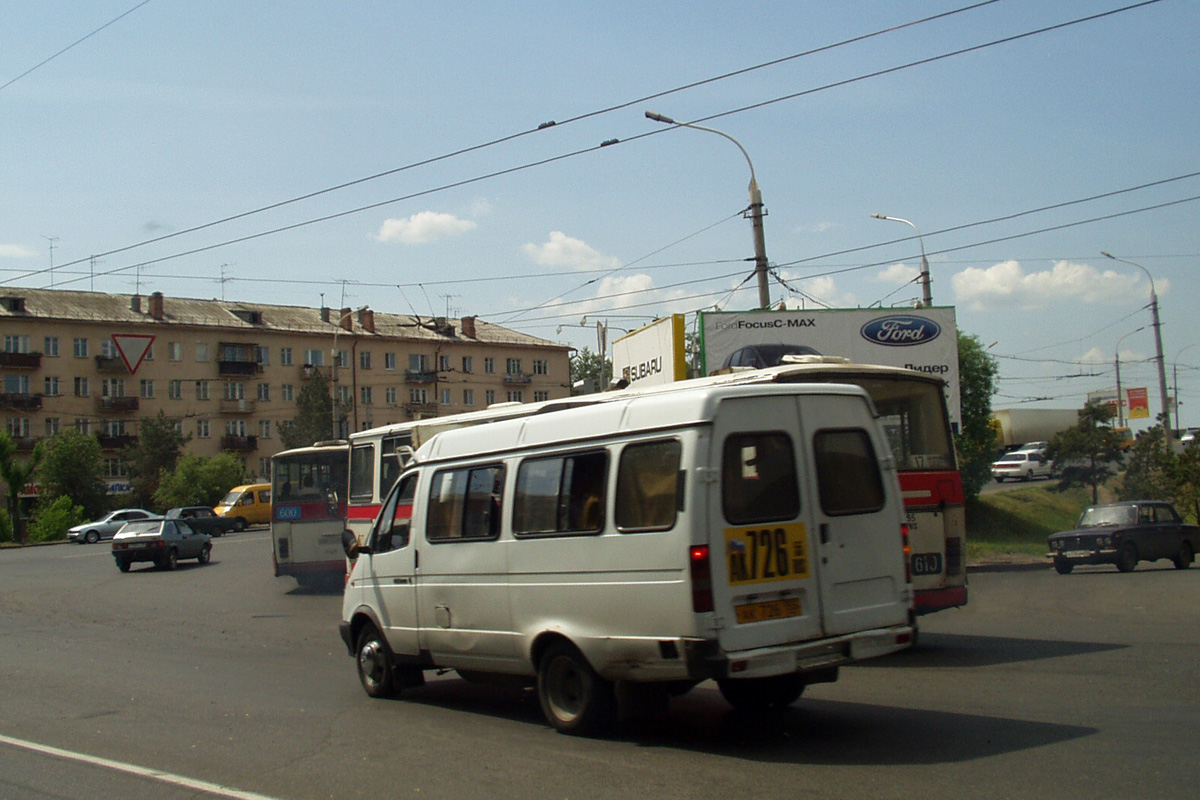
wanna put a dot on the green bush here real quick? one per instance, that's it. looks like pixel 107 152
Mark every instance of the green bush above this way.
pixel 6 530
pixel 51 522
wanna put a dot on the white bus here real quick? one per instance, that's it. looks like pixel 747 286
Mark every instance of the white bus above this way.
pixel 749 534
pixel 308 512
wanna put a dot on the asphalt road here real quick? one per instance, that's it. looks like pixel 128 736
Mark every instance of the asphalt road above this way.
pixel 223 681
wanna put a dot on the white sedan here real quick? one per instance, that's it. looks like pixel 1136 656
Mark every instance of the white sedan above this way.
pixel 1022 465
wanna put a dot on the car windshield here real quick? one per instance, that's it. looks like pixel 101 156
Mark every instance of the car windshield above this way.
pixel 1111 515
pixel 141 526
pixel 230 499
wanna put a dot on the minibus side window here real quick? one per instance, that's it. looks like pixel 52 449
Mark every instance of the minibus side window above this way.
pixel 561 494
pixel 758 478
pixel 647 486
pixel 362 473
pixel 465 504
pixel 395 518
pixel 848 478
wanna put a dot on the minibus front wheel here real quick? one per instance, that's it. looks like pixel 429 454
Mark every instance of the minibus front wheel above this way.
pixel 573 697
pixel 374 661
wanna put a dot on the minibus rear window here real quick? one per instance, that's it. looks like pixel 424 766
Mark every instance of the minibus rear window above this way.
pixel 758 478
pixel 848 478
pixel 647 486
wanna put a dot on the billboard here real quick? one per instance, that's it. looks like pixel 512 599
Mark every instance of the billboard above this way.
pixel 924 339
pixel 652 354
pixel 1139 403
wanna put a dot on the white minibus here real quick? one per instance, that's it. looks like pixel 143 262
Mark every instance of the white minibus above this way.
pixel 750 534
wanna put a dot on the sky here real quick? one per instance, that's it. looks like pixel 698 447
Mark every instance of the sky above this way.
pixel 398 155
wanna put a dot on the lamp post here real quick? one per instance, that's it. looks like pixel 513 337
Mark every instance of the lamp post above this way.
pixel 1117 362
pixel 1162 369
pixel 756 208
pixel 927 294
pixel 1175 379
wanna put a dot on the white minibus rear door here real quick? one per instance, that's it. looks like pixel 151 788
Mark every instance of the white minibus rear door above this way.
pixel 764 581
pixel 858 514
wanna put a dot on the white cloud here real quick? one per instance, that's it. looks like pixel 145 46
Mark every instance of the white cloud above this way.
pixel 820 227
pixel 480 207
pixel 822 289
pixel 565 251
pixel 15 251
pixel 423 227
pixel 1008 285
pixel 897 274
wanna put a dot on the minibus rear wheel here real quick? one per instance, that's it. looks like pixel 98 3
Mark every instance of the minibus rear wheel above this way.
pixel 374 662
pixel 573 697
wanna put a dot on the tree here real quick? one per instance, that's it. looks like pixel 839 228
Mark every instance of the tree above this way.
pixel 1087 451
pixel 314 414
pixel 976 440
pixel 585 366
pixel 16 474
pixel 1150 471
pixel 70 467
pixel 159 445
pixel 198 481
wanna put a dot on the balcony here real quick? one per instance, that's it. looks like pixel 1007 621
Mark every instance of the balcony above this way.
pixel 239 444
pixel 517 378
pixel 309 371
pixel 116 441
pixel 234 369
pixel 240 406
pixel 110 364
pixel 25 444
pixel 420 376
pixel 21 360
pixel 20 401
pixel 117 403
pixel 422 410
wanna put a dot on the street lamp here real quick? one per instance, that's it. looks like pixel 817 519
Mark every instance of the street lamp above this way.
pixel 1162 369
pixel 1175 378
pixel 1117 362
pixel 928 295
pixel 756 208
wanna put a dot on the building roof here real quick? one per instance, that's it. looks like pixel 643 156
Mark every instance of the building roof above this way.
pixel 124 309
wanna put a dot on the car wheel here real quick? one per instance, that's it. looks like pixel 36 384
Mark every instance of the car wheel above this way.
pixel 1128 559
pixel 573 697
pixel 205 554
pixel 1062 566
pixel 169 561
pixel 239 524
pixel 1185 557
pixel 1029 475
pixel 999 479
pixel 123 564
pixel 91 537
pixel 374 662
pixel 756 694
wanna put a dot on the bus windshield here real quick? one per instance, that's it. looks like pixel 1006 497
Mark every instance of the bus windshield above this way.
pixel 309 475
pixel 914 417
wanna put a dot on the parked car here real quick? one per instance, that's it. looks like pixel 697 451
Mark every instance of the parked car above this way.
pixel 204 520
pixel 161 540
pixel 1032 447
pixel 1124 534
pixel 107 526
pixel 1022 465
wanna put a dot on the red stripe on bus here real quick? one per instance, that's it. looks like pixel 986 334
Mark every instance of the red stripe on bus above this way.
pixel 362 512
pixel 931 488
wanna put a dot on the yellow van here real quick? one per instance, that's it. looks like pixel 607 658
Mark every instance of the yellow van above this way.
pixel 246 505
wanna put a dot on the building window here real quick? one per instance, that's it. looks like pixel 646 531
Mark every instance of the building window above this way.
pixel 314 357
pixel 390 395
pixel 541 366
pixel 446 397
pixel 468 397
pixel 146 389
pixel 174 351
pixel 287 392
pixel 364 395
pixel 18 427
pixel 203 430
pixel 51 387
pixel 235 427
pixel 16 384
pixel 201 390
pixel 178 426
pixel 344 394
pixel 51 426
pixel 341 358
pixel 81 387
pixel 516 396
pixel 202 351
pixel 364 359
pixel 263 355
pixel 114 427
pixel 108 348
pixel 489 397
pixel 264 392
pixel 389 360
pixel 149 353
pixel 418 396
pixel 285 356
pixel 16 344
pixel 235 390
pixel 79 347
pixel 264 429
pixel 175 389
pixel 541 396
pixel 444 363
pixel 50 347
pixel 112 387
pixel 468 364
pixel 83 425
pixel 489 365
pixel 114 468
pixel 416 362
pixel 512 366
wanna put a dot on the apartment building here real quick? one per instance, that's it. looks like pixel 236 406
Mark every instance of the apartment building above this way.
pixel 229 372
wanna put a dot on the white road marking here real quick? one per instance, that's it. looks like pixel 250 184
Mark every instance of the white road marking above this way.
pixel 134 769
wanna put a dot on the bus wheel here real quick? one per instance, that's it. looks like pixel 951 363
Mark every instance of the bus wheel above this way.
pixel 374 661
pixel 756 694
pixel 574 698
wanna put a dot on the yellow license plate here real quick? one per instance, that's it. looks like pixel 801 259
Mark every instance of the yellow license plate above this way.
pixel 771 609
pixel 766 554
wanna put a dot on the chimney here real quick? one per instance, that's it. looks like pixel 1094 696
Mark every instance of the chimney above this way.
pixel 346 320
pixel 324 314
pixel 468 327
pixel 156 305
pixel 135 304
pixel 366 318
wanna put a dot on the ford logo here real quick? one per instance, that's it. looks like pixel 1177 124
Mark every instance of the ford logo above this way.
pixel 901 330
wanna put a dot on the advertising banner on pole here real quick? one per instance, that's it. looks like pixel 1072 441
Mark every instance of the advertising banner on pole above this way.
pixel 923 339
pixel 1139 403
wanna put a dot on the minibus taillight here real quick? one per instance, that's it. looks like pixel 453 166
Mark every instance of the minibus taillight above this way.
pixel 701 573
pixel 907 552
